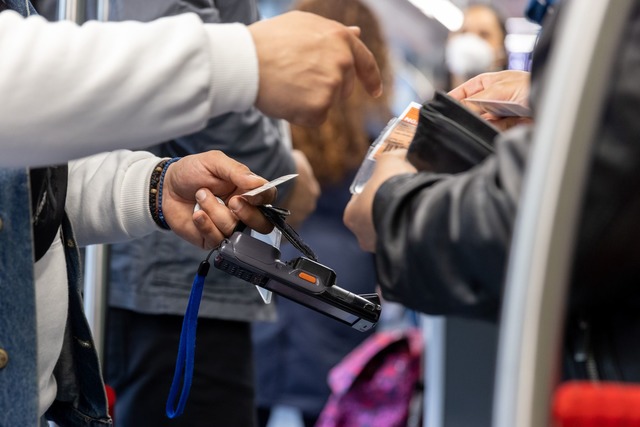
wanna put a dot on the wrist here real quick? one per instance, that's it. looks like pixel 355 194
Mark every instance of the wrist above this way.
pixel 156 186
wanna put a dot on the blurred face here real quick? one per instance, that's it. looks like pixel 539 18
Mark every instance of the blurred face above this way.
pixel 482 22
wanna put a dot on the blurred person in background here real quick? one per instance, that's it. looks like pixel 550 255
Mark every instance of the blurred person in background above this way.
pixel 294 354
pixel 148 294
pixel 478 46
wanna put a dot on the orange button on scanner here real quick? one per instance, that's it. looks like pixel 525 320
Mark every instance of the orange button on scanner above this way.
pixel 309 278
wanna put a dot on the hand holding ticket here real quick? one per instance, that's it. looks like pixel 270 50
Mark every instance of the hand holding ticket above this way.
pixel 258 190
pixel 501 108
pixel 397 134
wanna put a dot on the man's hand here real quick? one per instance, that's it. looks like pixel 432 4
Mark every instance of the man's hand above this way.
pixel 358 215
pixel 307 63
pixel 201 178
pixel 510 85
pixel 302 198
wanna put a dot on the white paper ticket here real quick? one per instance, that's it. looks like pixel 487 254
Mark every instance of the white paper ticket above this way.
pixel 269 185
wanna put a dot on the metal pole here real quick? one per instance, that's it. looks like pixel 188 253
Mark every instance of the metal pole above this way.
pixel 434 330
pixel 96 257
pixel 95 292
pixel 72 10
pixel 96 298
pixel 542 250
pixel 103 10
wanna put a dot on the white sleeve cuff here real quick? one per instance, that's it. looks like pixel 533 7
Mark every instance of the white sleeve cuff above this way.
pixel 234 68
pixel 134 201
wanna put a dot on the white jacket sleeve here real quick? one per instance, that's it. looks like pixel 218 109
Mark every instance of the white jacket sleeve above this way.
pixel 68 91
pixel 108 196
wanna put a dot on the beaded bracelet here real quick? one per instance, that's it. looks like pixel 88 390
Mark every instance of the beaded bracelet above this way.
pixel 161 220
pixel 155 192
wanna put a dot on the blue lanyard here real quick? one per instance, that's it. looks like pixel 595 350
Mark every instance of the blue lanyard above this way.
pixel 187 346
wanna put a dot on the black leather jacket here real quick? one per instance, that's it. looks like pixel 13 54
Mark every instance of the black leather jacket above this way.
pixel 443 239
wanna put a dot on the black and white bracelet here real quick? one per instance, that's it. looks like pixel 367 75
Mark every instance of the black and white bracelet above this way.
pixel 155 192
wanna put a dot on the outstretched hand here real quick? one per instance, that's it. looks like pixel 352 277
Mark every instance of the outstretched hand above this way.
pixel 308 63
pixel 509 85
pixel 204 178
pixel 358 215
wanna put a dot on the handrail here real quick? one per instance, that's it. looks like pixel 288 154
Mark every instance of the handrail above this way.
pixel 545 228
pixel 102 10
pixel 72 10
pixel 97 259
pixel 96 268
pixel 95 256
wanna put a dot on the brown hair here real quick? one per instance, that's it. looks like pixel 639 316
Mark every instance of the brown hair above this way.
pixel 338 146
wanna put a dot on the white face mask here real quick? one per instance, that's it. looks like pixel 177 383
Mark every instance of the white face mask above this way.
pixel 468 55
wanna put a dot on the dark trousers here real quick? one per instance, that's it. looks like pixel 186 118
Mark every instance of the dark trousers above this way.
pixel 140 357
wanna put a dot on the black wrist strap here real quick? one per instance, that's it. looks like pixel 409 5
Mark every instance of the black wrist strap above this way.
pixel 277 216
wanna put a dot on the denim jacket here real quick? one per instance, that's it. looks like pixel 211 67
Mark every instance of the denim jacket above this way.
pixel 80 400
